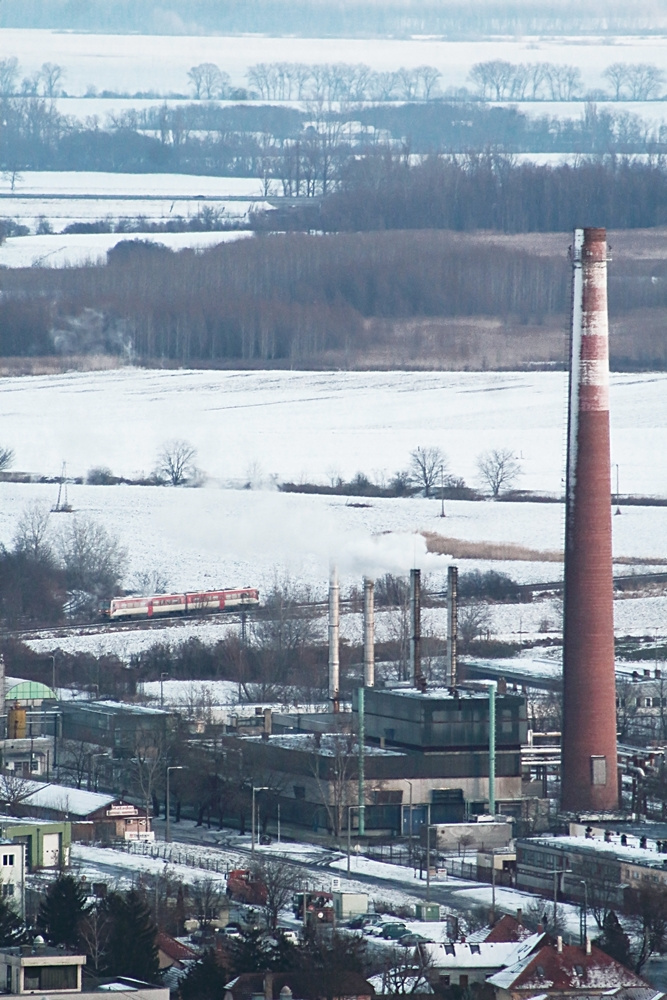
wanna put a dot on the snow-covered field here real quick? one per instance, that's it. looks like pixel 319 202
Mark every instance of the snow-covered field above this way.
pixel 132 63
pixel 90 248
pixel 310 426
pixel 64 183
pixel 261 427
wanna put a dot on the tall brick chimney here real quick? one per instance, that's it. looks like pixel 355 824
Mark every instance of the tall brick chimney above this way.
pixel 588 756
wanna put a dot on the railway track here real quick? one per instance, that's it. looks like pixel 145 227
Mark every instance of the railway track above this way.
pixel 103 628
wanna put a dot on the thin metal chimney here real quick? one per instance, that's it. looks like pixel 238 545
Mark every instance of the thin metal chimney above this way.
pixel 416 627
pixel 589 752
pixel 452 623
pixel 369 632
pixel 334 640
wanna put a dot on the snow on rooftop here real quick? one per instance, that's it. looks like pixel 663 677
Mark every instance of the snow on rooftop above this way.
pixel 483 955
pixel 630 852
pixel 325 744
pixel 75 801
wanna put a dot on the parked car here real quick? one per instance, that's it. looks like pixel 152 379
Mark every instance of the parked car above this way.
pixel 411 940
pixel 392 932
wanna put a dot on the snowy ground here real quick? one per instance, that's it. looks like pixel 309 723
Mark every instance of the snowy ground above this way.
pixel 133 63
pixel 91 248
pixel 312 426
pixel 259 427
pixel 81 184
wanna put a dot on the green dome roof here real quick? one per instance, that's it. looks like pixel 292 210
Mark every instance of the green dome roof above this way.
pixel 30 691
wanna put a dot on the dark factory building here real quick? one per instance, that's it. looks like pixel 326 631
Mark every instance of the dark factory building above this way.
pixel 421 749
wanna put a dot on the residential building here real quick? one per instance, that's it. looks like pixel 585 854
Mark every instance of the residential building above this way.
pixel 39 969
pixel 462 963
pixel 12 874
pixel 94 816
pixel 557 969
pixel 47 844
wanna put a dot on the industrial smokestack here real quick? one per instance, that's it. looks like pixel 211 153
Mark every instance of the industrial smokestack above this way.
pixel 334 640
pixel 452 623
pixel 588 771
pixel 416 627
pixel 369 633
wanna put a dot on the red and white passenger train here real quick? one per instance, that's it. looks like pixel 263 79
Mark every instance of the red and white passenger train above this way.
pixel 181 604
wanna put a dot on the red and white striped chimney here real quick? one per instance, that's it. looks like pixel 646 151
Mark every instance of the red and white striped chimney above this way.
pixel 588 755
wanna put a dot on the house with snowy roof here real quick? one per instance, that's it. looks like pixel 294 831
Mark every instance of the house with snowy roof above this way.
pixel 461 963
pixel 557 969
pixel 94 815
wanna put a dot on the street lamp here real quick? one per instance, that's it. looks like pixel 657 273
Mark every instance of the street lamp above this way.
pixel 167 830
pixel 410 824
pixel 262 788
pixel 163 677
pixel 556 872
pixel 583 917
pixel 428 852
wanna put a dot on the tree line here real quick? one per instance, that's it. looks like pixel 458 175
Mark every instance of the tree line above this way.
pixel 296 152
pixel 359 18
pixel 298 297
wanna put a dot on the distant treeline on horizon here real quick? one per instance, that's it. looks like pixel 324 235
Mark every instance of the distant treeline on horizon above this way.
pixel 361 18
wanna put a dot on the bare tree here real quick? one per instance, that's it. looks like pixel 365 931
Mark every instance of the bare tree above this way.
pixel 647 908
pixel 617 75
pixel 498 470
pixel 492 78
pixel 9 72
pixel 281 881
pixel 644 81
pixel 335 766
pixel 428 465
pixel 51 76
pixel 474 621
pixel 207 898
pixel 95 930
pixel 208 81
pixel 31 532
pixel 406 971
pixel 14 789
pixel 94 559
pixel 6 454
pixel 176 462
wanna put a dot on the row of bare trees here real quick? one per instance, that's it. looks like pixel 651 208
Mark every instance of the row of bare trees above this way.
pixel 500 80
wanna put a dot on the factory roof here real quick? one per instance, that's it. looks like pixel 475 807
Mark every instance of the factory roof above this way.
pixel 324 744
pixel 441 693
pixel 631 853
pixel 115 708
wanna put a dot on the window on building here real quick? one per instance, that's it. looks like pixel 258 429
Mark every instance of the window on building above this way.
pixel 7 889
pixel 598 770
pixel 7 860
pixel 474 949
pixel 463 981
pixel 50 977
pixel 449 949
pixel 444 980
pixel 299 791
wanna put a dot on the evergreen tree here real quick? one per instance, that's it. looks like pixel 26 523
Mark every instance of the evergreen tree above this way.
pixel 205 980
pixel 62 910
pixel 132 950
pixel 12 930
pixel 614 940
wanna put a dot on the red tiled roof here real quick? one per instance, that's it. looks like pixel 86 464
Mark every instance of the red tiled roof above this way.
pixel 570 969
pixel 507 929
pixel 173 948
